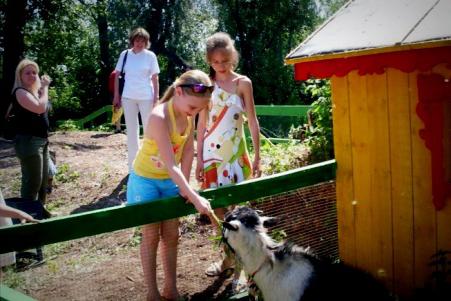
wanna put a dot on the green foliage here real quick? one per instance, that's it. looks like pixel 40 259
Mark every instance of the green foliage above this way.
pixel 63 41
pixel 106 127
pixel 328 7
pixel 278 235
pixel 63 36
pixel 283 157
pixel 136 238
pixel 65 175
pixel 62 98
pixel 12 279
pixel 320 134
pixel 69 125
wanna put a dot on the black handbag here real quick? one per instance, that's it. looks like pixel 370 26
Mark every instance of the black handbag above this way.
pixel 9 128
pixel 121 76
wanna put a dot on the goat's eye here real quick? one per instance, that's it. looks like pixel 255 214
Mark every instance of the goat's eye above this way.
pixel 230 226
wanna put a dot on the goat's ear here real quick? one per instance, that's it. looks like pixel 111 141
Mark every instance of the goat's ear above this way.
pixel 229 226
pixel 269 221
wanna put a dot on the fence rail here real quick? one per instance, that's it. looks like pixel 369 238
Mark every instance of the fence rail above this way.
pixel 261 110
pixel 20 237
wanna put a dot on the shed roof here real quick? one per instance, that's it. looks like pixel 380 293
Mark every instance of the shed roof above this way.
pixel 378 25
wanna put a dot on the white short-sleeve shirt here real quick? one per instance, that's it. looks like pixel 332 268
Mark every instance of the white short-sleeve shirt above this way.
pixel 138 69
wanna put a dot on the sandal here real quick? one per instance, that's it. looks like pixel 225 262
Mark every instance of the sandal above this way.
pixel 239 286
pixel 217 268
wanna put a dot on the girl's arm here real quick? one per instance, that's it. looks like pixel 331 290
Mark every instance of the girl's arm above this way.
pixel 32 103
pixel 8 211
pixel 247 93
pixel 159 131
pixel 201 125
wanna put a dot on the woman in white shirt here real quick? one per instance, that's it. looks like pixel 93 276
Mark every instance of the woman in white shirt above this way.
pixel 141 88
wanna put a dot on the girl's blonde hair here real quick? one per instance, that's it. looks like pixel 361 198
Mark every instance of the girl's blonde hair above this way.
pixel 189 77
pixel 137 33
pixel 221 41
pixel 18 79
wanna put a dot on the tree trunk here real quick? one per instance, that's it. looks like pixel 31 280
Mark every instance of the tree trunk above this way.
pixel 246 49
pixel 14 45
pixel 105 64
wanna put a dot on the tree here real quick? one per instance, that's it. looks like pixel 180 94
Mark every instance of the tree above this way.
pixel 98 12
pixel 13 45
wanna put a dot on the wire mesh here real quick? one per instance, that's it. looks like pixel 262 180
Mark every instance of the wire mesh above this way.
pixel 307 217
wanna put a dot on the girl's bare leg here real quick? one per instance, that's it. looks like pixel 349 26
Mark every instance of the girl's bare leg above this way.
pixel 149 247
pixel 169 242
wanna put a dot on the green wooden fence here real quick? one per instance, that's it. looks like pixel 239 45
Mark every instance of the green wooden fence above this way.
pixel 8 294
pixel 298 110
pixel 261 110
pixel 20 237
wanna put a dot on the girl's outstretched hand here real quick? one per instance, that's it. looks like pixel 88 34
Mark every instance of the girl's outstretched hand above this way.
pixel 202 205
pixel 25 217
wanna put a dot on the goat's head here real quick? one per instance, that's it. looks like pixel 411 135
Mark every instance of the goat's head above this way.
pixel 243 225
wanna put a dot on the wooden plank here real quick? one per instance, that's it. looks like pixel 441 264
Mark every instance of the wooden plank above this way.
pixel 344 182
pixel 8 294
pixel 380 179
pixel 94 115
pixel 444 227
pixel 20 237
pixel 401 181
pixel 360 138
pixel 444 215
pixel 261 110
pixel 425 231
pixel 299 110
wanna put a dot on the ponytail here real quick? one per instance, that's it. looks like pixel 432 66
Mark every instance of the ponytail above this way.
pixel 168 94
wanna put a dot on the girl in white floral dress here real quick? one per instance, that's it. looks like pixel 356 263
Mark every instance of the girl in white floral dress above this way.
pixel 222 156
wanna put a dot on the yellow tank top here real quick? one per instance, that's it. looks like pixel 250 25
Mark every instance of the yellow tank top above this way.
pixel 148 162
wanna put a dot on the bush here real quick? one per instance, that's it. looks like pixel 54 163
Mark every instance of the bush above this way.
pixel 68 125
pixel 283 157
pixel 318 132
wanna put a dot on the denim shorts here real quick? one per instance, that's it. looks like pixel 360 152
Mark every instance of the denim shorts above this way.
pixel 142 189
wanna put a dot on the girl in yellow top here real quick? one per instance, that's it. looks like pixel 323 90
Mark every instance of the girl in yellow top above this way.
pixel 168 143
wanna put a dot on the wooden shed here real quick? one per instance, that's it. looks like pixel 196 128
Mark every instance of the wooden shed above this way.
pixel 389 62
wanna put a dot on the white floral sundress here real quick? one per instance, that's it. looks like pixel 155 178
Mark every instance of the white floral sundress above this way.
pixel 225 157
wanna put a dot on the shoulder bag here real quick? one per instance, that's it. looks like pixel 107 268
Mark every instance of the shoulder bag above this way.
pixel 122 74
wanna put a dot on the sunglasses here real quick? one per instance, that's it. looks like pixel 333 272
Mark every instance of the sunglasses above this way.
pixel 198 88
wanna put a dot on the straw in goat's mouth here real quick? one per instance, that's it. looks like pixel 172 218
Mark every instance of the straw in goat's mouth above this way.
pixel 216 220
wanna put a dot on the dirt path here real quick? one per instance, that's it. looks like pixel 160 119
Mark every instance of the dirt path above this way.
pixel 92 175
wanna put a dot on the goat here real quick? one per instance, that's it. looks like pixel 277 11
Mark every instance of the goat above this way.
pixel 284 271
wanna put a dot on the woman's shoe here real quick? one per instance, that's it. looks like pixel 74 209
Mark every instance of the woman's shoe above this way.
pixel 217 268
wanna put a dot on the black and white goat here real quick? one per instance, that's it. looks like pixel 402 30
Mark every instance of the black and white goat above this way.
pixel 286 272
